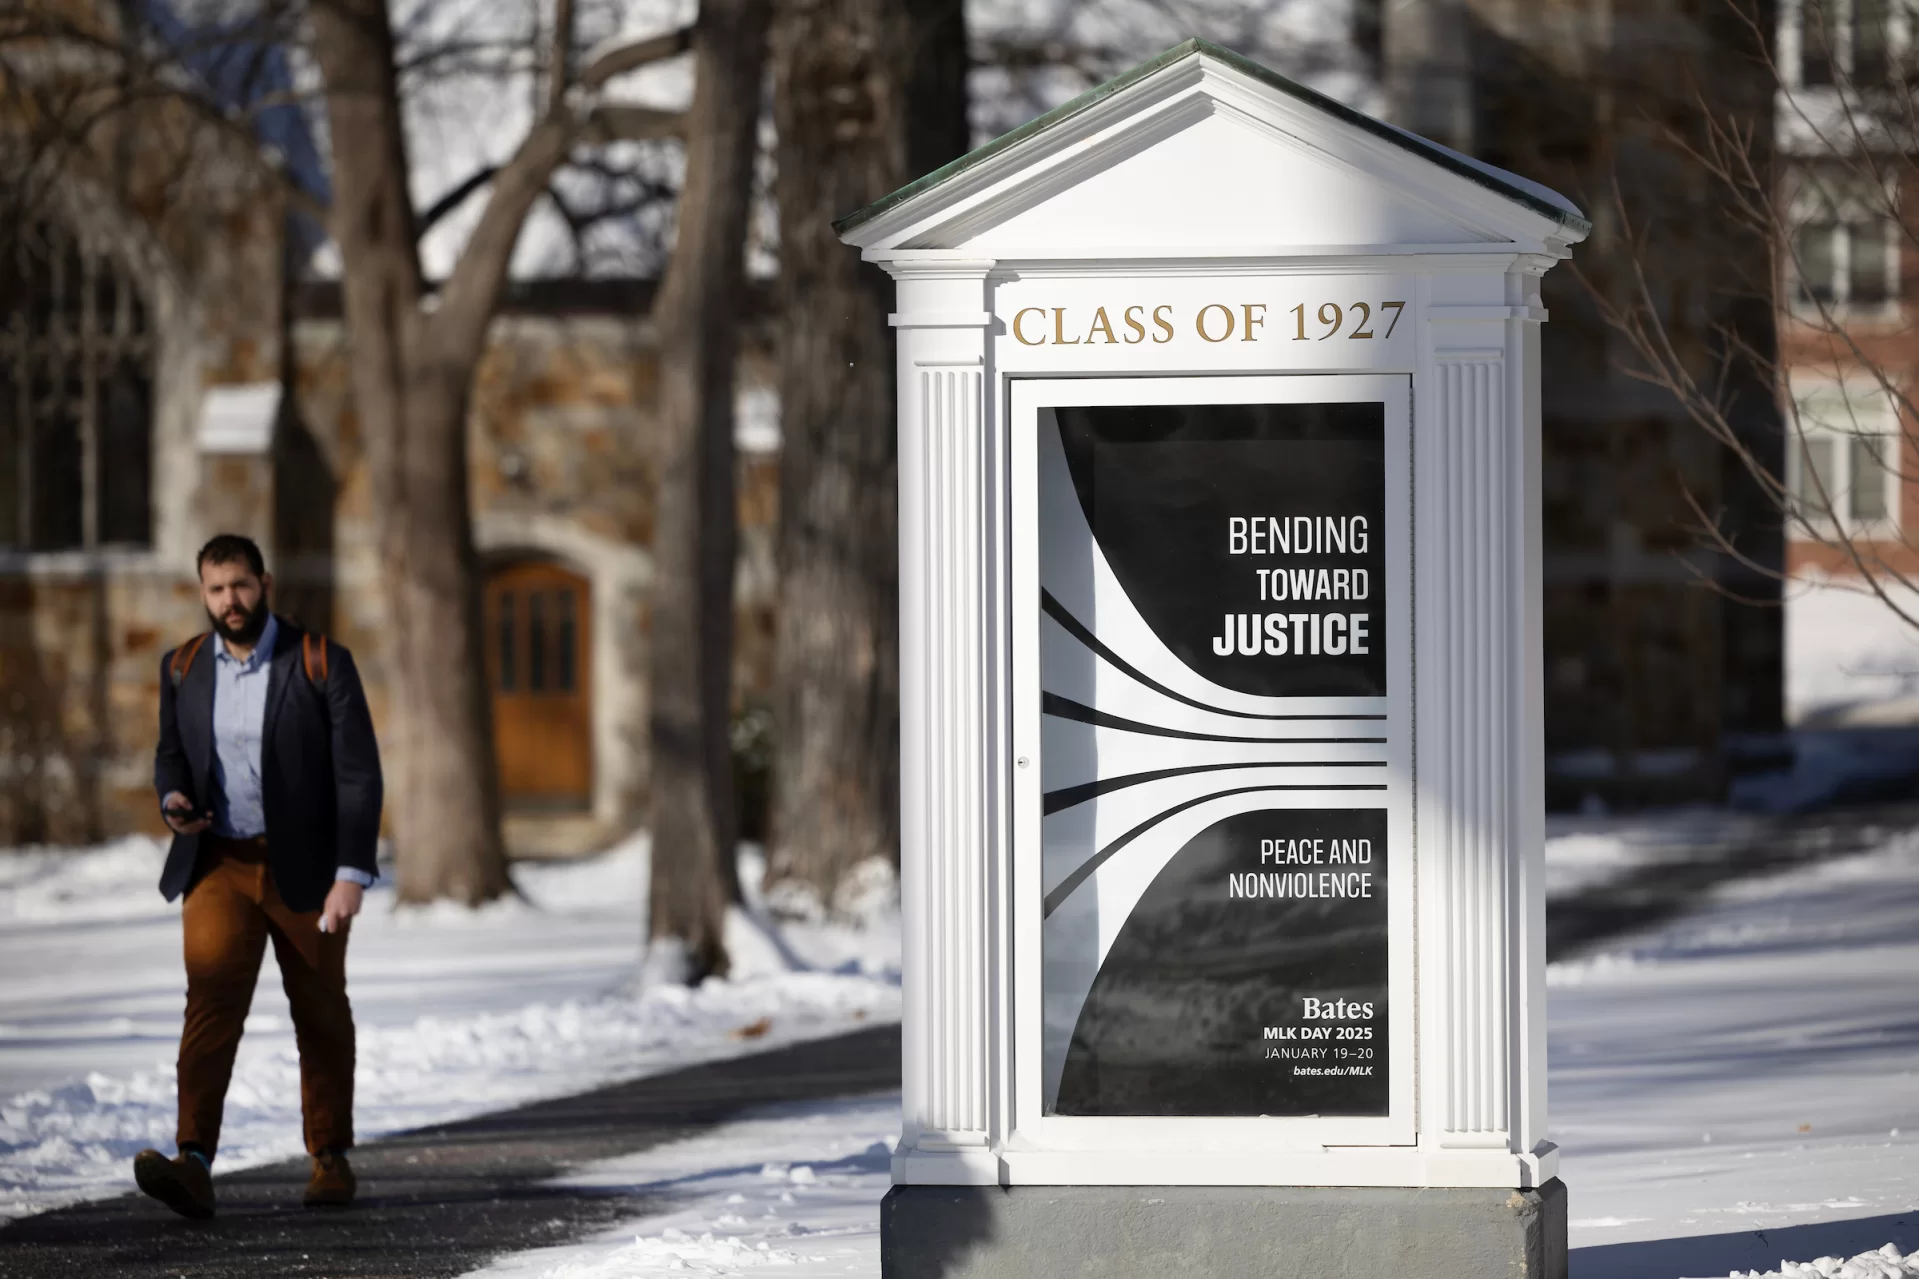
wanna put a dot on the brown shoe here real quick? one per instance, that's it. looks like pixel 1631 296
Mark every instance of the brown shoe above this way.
pixel 333 1183
pixel 182 1183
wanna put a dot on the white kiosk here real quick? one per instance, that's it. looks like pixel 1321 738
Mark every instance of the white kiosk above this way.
pixel 1220 722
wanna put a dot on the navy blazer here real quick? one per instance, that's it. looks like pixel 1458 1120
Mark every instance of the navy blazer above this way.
pixel 319 769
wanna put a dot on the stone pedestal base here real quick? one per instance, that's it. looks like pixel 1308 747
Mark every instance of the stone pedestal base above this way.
pixel 1221 1232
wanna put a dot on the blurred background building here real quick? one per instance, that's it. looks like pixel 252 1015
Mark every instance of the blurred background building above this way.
pixel 1663 660
pixel 1850 356
pixel 148 409
pixel 171 366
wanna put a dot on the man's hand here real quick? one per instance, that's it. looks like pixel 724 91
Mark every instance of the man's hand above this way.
pixel 176 803
pixel 342 903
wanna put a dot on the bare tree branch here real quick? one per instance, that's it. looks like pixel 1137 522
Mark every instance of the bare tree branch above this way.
pixel 454 198
pixel 466 301
pixel 619 122
pixel 632 57
pixel 1852 158
pixel 560 63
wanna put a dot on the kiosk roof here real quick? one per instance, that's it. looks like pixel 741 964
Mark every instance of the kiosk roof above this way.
pixel 1537 198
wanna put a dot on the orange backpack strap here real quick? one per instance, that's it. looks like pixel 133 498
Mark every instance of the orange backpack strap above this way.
pixel 313 656
pixel 183 658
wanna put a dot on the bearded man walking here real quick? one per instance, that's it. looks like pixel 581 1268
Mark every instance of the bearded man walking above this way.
pixel 269 776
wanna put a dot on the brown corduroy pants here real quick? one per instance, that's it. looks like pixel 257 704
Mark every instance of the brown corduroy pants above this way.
pixel 229 916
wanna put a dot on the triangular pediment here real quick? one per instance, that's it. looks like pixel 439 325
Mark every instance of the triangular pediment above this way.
pixel 1200 151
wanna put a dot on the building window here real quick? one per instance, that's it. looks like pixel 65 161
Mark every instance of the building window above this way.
pixel 567 646
pixel 76 397
pixel 508 660
pixel 1845 245
pixel 1828 42
pixel 1843 468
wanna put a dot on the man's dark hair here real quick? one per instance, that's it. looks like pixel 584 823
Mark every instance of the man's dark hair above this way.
pixel 231 548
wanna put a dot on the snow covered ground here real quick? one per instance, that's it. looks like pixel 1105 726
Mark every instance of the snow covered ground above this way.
pixel 1883 1262
pixel 794 1187
pixel 1739 1075
pixel 459 1012
pixel 1735 1088
pixel 1584 853
pixel 1849 658
pixel 1728 1087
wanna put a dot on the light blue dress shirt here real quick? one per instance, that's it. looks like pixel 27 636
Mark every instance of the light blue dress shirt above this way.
pixel 239 728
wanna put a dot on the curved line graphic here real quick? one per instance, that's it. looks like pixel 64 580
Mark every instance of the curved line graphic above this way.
pixel 1086 868
pixel 1079 631
pixel 1065 797
pixel 1066 708
pixel 1086 581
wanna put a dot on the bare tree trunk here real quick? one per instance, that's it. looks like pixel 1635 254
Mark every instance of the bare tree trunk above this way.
pixel 868 94
pixel 411 368
pixel 719 552
pixel 690 640
pixel 412 410
pixel 719 534
pixel 412 375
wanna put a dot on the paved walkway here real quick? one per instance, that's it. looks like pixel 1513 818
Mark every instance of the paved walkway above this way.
pixel 442 1201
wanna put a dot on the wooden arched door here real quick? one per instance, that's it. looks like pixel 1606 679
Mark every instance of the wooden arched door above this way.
pixel 538 619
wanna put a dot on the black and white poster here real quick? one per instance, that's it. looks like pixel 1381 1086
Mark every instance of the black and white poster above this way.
pixel 1213 669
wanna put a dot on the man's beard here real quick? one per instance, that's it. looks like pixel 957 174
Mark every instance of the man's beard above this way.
pixel 249 628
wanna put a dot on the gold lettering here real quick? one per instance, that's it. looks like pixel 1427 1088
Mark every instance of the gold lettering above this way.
pixel 1024 312
pixel 1164 325
pixel 1102 325
pixel 1137 326
pixel 1252 320
pixel 1059 328
pixel 1199 322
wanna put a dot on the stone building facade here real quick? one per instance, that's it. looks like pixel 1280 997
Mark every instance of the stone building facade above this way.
pixel 163 377
pixel 150 272
pixel 1660 683
pixel 1847 341
pixel 1664 658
